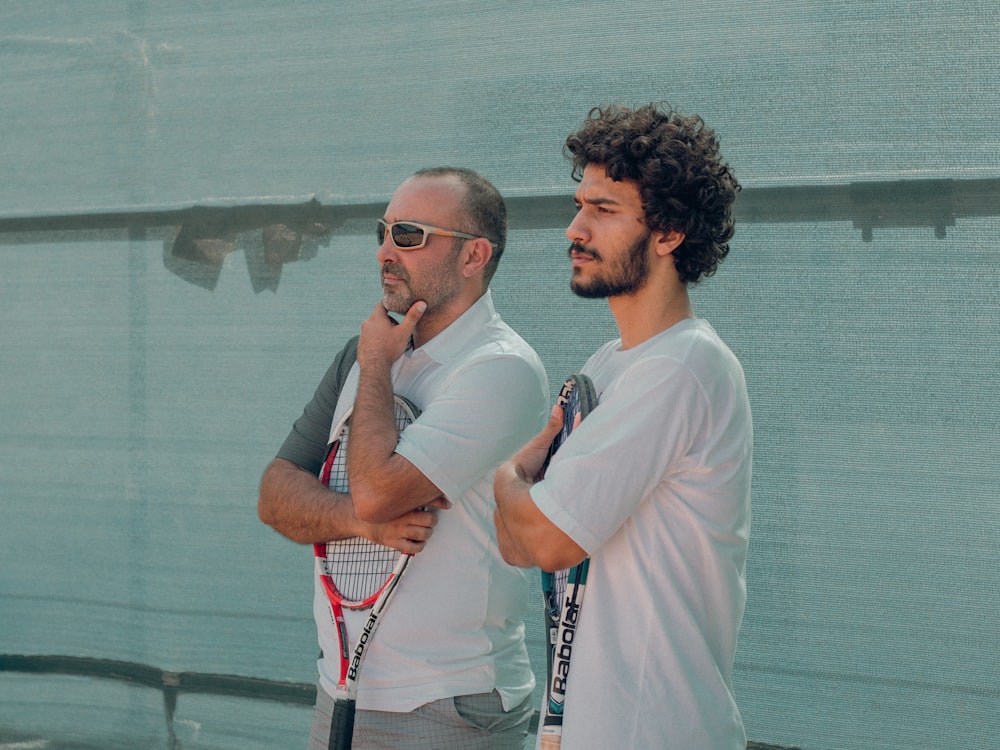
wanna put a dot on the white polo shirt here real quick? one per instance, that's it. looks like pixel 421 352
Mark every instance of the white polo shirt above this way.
pixel 455 626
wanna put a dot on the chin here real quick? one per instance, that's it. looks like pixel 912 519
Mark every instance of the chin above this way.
pixel 581 289
pixel 395 304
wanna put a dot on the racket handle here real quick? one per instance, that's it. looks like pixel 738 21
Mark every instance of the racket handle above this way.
pixel 342 725
pixel 551 741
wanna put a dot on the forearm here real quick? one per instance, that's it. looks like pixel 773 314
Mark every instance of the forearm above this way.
pixel 384 485
pixel 296 504
pixel 509 551
pixel 373 429
pixel 525 535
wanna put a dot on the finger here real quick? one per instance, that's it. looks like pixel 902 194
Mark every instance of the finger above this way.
pixel 413 315
pixel 423 518
pixel 379 313
pixel 410 546
pixel 441 503
pixel 418 534
pixel 544 438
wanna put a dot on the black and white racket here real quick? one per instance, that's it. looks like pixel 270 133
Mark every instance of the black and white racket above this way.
pixel 356 574
pixel 563 590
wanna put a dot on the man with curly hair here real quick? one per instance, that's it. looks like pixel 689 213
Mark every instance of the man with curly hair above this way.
pixel 654 486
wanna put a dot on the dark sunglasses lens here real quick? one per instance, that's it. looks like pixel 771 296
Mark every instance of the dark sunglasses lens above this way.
pixel 407 235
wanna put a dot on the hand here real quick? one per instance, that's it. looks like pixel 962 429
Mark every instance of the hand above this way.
pixel 383 341
pixel 529 460
pixel 408 533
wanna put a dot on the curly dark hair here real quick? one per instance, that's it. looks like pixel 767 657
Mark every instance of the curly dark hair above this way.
pixel 683 182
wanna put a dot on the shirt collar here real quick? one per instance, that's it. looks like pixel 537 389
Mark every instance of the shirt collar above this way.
pixel 462 332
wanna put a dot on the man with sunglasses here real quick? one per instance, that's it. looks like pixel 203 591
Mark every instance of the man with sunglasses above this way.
pixel 448 666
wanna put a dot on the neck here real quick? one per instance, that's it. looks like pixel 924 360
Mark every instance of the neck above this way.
pixel 433 322
pixel 649 311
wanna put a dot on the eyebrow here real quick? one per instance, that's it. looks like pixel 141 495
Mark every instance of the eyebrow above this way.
pixel 597 201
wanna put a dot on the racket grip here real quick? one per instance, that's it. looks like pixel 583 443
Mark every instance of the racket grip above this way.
pixel 342 725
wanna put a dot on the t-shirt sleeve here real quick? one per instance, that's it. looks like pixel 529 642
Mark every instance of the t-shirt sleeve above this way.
pixel 645 424
pixel 306 444
pixel 484 413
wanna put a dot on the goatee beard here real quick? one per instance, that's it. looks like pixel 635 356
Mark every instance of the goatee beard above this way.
pixel 396 299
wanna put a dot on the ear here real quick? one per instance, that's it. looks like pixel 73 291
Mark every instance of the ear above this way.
pixel 667 242
pixel 476 255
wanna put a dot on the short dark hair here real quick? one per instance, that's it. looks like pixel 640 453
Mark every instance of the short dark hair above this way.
pixel 683 182
pixel 484 209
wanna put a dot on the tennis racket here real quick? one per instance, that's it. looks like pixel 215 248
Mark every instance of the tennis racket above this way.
pixel 563 590
pixel 356 574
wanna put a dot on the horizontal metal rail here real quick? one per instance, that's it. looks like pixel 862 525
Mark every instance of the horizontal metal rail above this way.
pixel 932 203
pixel 177 682
pixel 172 684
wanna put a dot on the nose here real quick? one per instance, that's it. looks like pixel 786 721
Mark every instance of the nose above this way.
pixel 577 232
pixel 387 251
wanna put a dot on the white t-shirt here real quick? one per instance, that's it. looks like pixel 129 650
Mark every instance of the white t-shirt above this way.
pixel 455 626
pixel 655 486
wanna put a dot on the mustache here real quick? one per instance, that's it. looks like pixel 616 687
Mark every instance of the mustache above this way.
pixel 577 249
pixel 395 269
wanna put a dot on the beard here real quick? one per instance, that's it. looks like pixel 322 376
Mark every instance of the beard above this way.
pixel 624 277
pixel 398 298
pixel 437 285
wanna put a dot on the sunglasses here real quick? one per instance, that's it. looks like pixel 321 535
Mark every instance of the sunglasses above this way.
pixel 408 235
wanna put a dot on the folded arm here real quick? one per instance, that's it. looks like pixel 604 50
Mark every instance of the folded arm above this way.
pixel 298 506
pixel 525 535
pixel 384 484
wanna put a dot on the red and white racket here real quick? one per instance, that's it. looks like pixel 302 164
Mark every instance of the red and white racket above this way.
pixel 356 574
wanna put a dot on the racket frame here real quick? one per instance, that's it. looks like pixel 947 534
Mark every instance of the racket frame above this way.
pixel 350 660
pixel 561 616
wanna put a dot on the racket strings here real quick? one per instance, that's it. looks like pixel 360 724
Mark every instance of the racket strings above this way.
pixel 334 473
pixel 559 580
pixel 357 567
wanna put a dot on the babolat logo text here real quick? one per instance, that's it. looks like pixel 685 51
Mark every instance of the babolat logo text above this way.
pixel 563 398
pixel 359 650
pixel 564 649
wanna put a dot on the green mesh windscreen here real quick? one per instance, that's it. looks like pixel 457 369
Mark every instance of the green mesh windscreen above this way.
pixel 159 337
